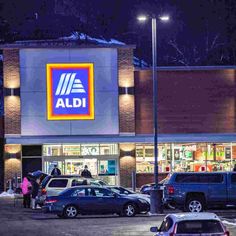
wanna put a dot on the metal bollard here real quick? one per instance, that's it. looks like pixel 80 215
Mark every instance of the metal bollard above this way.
pixel 156 201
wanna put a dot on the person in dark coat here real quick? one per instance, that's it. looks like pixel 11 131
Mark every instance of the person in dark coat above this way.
pixel 86 173
pixel 35 191
pixel 234 169
pixel 56 171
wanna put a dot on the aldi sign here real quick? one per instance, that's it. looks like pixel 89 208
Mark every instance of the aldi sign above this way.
pixel 70 91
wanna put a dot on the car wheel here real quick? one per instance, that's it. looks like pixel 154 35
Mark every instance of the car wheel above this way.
pixel 70 211
pixel 195 205
pixel 129 210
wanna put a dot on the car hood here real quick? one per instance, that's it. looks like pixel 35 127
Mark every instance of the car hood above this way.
pixel 139 195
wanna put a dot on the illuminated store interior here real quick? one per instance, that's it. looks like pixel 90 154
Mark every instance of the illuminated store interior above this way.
pixel 186 157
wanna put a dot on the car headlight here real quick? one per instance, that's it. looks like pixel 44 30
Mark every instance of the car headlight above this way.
pixel 143 200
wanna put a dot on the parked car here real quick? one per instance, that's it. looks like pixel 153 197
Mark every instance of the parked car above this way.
pixel 146 188
pixel 191 224
pixel 195 192
pixel 93 200
pixel 125 191
pixel 53 185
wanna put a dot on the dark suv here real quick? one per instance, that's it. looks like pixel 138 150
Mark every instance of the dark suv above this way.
pixel 195 192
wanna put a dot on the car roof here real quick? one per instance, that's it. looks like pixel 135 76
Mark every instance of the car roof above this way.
pixel 67 176
pixel 199 173
pixel 177 217
pixel 88 186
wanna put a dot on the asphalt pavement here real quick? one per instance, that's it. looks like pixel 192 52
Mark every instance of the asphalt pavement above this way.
pixel 17 221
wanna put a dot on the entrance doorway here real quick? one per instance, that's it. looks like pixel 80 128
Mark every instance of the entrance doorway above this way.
pixel 31 165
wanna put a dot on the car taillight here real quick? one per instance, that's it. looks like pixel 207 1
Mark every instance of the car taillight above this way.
pixel 226 233
pixel 174 231
pixel 44 191
pixel 51 201
pixel 170 190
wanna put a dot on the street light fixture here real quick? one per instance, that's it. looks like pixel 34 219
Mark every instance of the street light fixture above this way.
pixel 156 194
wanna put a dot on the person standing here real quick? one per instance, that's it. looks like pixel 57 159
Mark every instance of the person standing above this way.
pixel 35 190
pixel 86 173
pixel 234 169
pixel 26 189
pixel 56 171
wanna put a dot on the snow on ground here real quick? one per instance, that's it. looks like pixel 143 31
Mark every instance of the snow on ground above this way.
pixel 6 194
pixel 229 223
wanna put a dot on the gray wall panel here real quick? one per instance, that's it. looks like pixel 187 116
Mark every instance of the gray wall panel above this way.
pixel 33 91
pixel 37 125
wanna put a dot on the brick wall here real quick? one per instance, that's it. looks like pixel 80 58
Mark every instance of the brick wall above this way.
pixel 11 80
pixel 188 101
pixel 127 164
pixel 12 164
pixel 1 164
pixel 12 168
pixel 126 101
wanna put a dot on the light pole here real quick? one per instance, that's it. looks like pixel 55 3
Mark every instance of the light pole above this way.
pixel 156 193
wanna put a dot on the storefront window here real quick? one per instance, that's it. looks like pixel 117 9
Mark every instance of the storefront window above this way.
pixel 52 150
pixel 76 166
pixel 107 167
pixel 187 157
pixel 71 150
pixel 80 149
pixel 109 149
pixel 145 158
pixel 89 149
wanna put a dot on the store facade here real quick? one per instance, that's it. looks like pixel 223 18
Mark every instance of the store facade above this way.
pixel 76 105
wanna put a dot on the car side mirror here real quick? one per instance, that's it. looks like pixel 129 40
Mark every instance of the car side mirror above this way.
pixel 154 229
pixel 114 195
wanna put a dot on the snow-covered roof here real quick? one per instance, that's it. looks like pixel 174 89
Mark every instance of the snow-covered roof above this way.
pixel 193 216
pixel 140 63
pixel 75 36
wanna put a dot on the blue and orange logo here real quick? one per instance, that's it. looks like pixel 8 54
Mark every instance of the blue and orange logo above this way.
pixel 70 91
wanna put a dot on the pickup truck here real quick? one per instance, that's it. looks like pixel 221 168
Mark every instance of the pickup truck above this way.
pixel 197 191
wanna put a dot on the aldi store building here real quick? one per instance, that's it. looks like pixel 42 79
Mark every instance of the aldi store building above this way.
pixel 76 105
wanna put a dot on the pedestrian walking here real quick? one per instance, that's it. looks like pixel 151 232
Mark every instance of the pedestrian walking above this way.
pixel 86 173
pixel 35 190
pixel 56 171
pixel 26 188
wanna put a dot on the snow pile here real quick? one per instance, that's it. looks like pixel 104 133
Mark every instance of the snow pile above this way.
pixel 140 63
pixel 6 194
pixel 228 223
pixel 81 36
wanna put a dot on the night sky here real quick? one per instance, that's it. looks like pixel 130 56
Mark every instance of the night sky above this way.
pixel 200 32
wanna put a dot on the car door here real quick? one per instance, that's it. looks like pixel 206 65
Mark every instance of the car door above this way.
pixel 217 190
pixel 232 188
pixel 105 201
pixel 81 199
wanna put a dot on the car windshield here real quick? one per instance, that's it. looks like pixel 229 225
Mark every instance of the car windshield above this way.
pixel 199 227
pixel 166 179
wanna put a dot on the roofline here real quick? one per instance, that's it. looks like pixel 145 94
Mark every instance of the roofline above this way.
pixel 187 68
pixel 60 43
pixel 162 138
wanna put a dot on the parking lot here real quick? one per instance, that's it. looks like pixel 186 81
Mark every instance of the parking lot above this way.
pixel 17 221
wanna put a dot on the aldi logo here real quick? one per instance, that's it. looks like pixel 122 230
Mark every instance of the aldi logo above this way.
pixel 70 91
